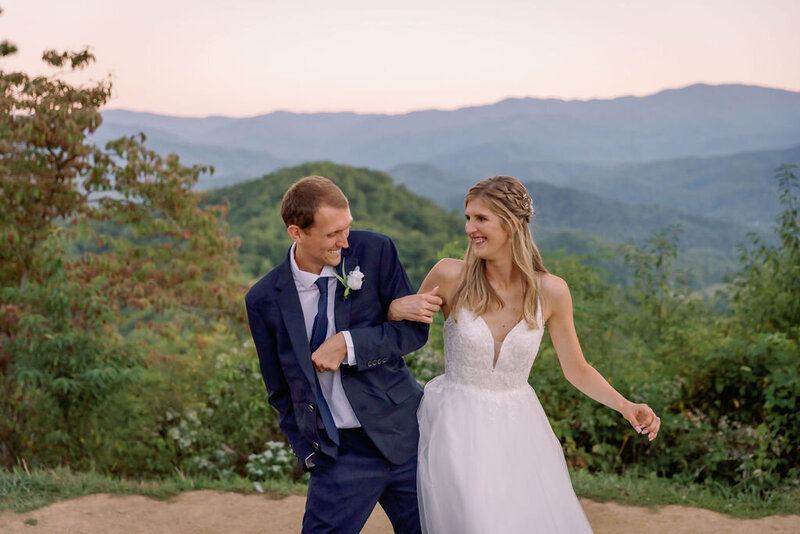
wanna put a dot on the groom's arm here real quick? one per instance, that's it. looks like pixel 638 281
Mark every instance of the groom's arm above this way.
pixel 389 340
pixel 277 387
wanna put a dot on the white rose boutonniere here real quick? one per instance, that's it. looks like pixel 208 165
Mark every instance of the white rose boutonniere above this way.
pixel 353 281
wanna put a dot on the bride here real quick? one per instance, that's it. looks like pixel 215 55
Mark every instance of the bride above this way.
pixel 488 460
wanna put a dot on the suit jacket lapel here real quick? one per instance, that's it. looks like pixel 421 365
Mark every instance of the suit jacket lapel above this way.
pixel 341 308
pixel 293 320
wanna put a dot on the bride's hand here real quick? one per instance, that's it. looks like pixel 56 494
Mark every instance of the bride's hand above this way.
pixel 643 419
pixel 420 307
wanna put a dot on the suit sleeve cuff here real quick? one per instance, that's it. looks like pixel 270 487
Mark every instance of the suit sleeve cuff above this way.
pixel 351 350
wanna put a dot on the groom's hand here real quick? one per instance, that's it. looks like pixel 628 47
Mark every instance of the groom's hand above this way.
pixel 330 355
pixel 420 307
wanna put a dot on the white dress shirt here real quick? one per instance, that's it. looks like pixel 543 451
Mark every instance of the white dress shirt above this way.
pixel 331 381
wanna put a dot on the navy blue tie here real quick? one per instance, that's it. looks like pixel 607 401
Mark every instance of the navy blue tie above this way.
pixel 318 334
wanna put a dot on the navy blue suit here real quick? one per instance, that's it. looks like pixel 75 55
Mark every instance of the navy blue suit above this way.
pixel 381 390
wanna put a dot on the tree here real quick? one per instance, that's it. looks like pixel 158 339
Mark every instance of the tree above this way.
pixel 748 383
pixel 92 239
pixel 661 292
pixel 765 291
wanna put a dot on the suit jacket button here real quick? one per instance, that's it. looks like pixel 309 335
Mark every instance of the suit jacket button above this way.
pixel 311 408
pixel 316 445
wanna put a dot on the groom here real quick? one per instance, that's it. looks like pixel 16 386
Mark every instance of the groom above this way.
pixel 333 365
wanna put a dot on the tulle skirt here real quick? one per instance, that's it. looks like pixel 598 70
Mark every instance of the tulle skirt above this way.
pixel 490 463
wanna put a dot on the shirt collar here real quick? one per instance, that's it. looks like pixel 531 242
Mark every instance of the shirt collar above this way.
pixel 305 279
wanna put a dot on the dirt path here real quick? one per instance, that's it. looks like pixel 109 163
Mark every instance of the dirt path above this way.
pixel 207 512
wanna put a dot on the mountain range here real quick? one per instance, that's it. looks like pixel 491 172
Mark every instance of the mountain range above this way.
pixel 738 188
pixel 699 120
pixel 702 156
pixel 662 148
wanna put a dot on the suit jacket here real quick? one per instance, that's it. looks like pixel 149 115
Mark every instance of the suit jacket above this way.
pixel 382 391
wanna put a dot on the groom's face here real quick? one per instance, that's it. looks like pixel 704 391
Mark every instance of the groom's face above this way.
pixel 321 243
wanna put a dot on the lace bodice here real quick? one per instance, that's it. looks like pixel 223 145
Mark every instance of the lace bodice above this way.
pixel 469 353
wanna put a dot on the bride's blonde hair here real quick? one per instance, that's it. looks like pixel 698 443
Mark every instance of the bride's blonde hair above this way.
pixel 509 200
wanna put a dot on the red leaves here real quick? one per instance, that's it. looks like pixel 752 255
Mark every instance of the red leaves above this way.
pixel 9 315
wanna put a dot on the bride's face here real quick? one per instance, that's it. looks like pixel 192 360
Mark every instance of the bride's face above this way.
pixel 486 230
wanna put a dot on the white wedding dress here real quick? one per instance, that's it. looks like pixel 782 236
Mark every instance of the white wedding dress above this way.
pixel 489 463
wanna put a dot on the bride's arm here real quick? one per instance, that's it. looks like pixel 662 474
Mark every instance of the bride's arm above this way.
pixel 574 366
pixel 433 294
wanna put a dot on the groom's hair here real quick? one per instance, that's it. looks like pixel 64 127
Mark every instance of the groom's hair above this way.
pixel 302 200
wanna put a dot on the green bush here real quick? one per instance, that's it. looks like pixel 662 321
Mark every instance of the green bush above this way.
pixel 276 461
pixel 63 360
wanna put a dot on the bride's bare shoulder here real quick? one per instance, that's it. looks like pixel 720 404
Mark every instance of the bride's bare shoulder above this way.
pixel 555 293
pixel 448 269
pixel 444 274
pixel 552 285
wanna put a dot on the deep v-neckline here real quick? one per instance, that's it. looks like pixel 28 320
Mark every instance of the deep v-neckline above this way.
pixel 496 358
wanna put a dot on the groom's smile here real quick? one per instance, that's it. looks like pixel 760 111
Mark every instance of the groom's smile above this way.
pixel 321 243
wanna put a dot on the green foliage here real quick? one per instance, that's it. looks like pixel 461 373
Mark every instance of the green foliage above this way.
pixel 202 415
pixel 232 422
pixel 747 386
pixel 63 359
pixel 725 385
pixel 765 290
pixel 97 246
pixel 426 363
pixel 275 462
pixel 661 294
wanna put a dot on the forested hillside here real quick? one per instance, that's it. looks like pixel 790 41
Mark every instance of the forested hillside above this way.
pixel 567 219
pixel 738 188
pixel 418 226
pixel 560 208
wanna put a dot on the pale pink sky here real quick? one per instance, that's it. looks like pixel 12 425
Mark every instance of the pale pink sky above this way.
pixel 246 57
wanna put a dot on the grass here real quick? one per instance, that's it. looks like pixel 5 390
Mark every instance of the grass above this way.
pixel 23 491
pixel 646 491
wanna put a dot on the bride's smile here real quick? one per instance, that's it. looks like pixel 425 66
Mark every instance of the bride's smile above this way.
pixel 485 229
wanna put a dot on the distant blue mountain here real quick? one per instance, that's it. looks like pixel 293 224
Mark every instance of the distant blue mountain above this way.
pixel 707 150
pixel 699 120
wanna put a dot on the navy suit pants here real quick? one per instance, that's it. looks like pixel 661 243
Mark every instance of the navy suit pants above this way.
pixel 341 496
